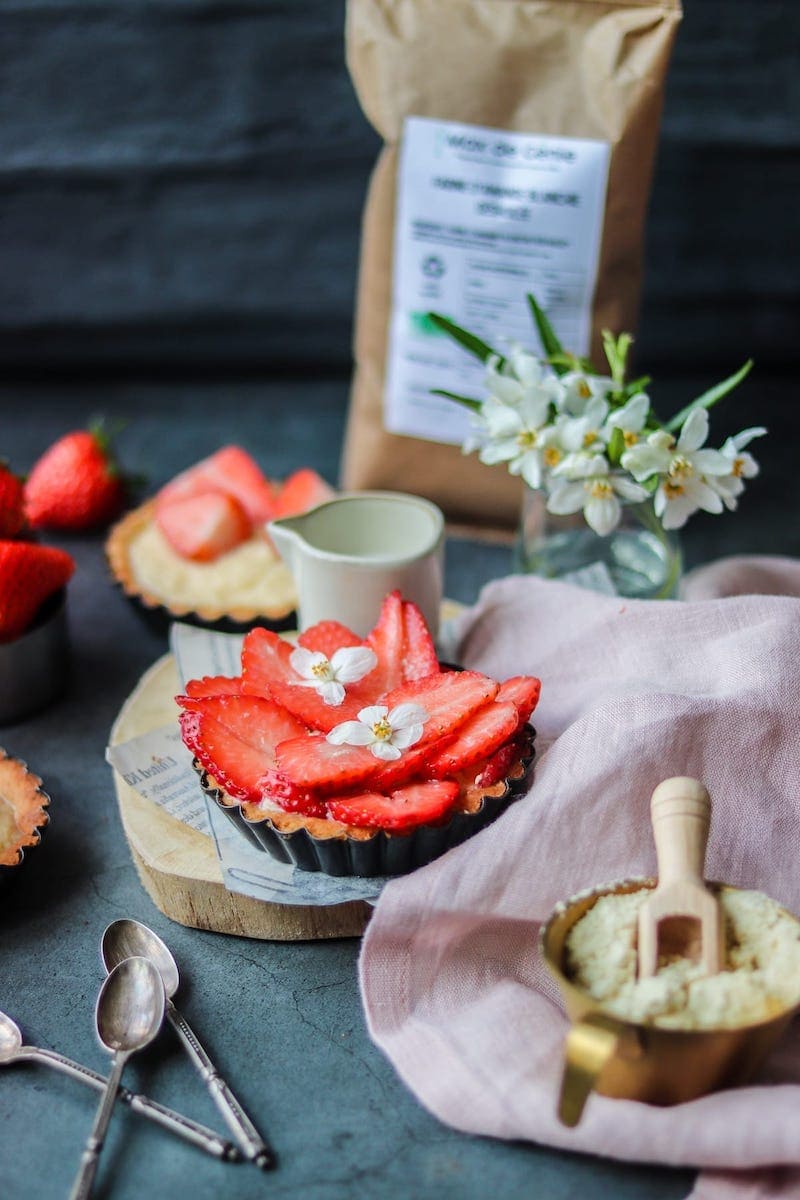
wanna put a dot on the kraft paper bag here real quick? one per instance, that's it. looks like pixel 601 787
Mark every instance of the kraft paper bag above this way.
pixel 503 78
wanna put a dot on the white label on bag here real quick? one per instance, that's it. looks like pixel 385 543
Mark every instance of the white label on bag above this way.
pixel 483 218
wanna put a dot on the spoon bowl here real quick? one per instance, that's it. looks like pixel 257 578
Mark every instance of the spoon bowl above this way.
pixel 127 938
pixel 10 1038
pixel 130 1007
pixel 128 1015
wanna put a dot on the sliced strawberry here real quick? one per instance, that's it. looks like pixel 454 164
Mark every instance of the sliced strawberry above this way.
pixel 387 639
pixel 315 763
pixel 449 698
pixel 302 490
pixel 246 771
pixel 327 637
pixel 524 691
pixel 265 660
pixel 310 708
pixel 419 653
pixel 404 808
pixel 480 735
pixel 230 470
pixel 259 722
pixel 203 527
pixel 500 763
pixel 215 685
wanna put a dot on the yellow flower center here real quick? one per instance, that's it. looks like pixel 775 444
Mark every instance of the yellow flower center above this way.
pixel 680 468
pixel 321 670
pixel 589 438
pixel 552 456
pixel 382 730
pixel 673 489
pixel 584 391
pixel 629 437
pixel 526 438
pixel 600 489
pixel 738 467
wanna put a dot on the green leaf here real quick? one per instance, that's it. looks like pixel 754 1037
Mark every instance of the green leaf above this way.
pixel 475 405
pixel 552 347
pixel 616 445
pixel 711 396
pixel 469 341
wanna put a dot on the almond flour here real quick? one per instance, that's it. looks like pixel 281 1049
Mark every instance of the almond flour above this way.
pixel 761 975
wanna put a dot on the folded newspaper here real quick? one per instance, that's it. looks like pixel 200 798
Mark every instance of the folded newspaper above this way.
pixel 158 766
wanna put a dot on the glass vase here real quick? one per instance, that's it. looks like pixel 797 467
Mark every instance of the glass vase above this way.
pixel 639 559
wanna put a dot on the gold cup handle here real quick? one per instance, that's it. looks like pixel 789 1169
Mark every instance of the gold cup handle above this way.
pixel 589 1045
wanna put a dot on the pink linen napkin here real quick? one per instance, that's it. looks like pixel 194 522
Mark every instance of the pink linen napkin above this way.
pixel 632 692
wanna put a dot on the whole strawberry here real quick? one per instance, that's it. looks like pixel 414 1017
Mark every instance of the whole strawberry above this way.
pixel 12 507
pixel 29 573
pixel 76 484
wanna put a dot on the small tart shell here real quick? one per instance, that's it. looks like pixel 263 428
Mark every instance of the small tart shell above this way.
pixel 118 556
pixel 23 809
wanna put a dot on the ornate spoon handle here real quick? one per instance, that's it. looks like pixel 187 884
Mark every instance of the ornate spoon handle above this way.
pixel 250 1140
pixel 192 1131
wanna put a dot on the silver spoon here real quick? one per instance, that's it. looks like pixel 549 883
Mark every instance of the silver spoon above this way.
pixel 13 1050
pixel 126 937
pixel 129 1014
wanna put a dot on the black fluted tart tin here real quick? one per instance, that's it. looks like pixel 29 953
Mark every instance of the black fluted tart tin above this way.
pixel 382 853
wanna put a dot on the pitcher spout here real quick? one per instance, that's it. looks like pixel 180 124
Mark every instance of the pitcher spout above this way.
pixel 287 537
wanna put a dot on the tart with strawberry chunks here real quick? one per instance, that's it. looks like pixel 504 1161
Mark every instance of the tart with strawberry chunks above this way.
pixel 359 756
pixel 199 551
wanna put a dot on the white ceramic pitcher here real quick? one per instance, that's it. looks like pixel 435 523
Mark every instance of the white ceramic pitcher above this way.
pixel 348 553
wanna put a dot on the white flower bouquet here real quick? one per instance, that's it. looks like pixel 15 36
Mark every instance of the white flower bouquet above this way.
pixel 591 442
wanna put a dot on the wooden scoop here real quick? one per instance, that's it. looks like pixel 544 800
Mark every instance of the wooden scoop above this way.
pixel 681 913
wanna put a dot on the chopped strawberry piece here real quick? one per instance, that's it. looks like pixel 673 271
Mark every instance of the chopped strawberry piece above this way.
pixel 419 653
pixel 265 660
pixel 327 637
pixel 524 691
pixel 449 698
pixel 302 490
pixel 480 735
pixel 204 526
pixel 387 639
pixel 215 685
pixel 404 808
pixel 230 470
pixel 245 770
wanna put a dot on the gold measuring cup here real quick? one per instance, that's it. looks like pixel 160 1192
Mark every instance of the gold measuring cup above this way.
pixel 632 1061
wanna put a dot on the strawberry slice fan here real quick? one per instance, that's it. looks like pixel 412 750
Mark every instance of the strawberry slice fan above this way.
pixel 359 756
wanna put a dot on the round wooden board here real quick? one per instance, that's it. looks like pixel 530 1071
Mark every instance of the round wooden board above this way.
pixel 178 866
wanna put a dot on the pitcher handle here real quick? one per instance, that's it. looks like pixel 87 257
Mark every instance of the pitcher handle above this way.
pixel 589 1045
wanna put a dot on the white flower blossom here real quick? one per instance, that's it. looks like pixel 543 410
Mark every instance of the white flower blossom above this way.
pixel 684 468
pixel 579 388
pixel 581 438
pixel 742 466
pixel 522 376
pixel 630 419
pixel 593 487
pixel 385 733
pixel 329 675
pixel 520 437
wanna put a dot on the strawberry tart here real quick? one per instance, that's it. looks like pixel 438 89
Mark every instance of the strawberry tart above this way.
pixel 199 551
pixel 358 756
